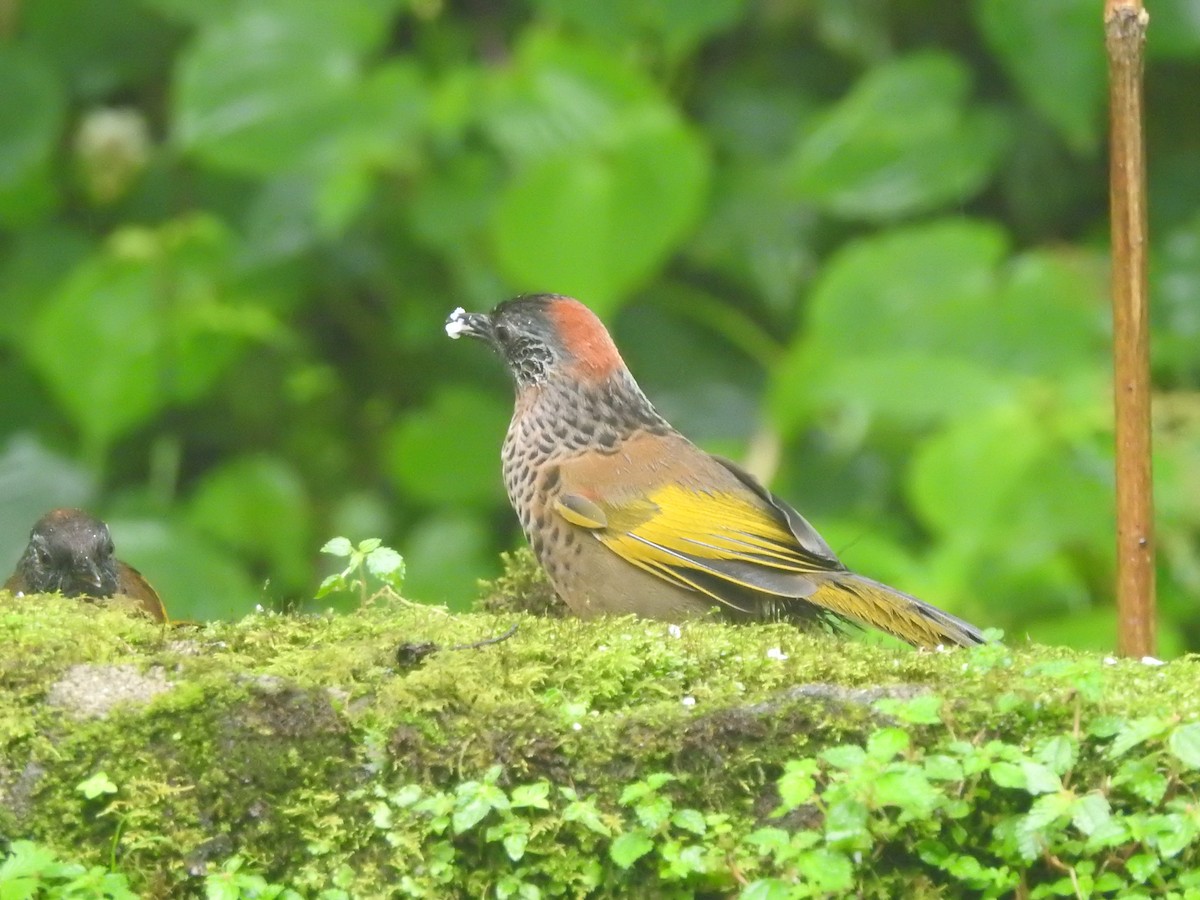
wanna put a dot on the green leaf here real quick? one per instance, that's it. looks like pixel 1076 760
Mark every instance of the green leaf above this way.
pixel 903 141
pixel 515 844
pixel 97 785
pixel 585 812
pixel 1007 775
pixel 845 756
pixel 1047 810
pixel 939 767
pixel 796 784
pixel 829 871
pixel 1058 753
pixel 926 288
pixel 1040 779
pixel 1184 743
pixel 531 795
pixel 386 564
pixel 274 86
pixel 1054 51
pixel 1178 832
pixel 579 222
pixel 338 546
pixel 31 266
pixel 445 555
pixel 1136 732
pixel 653 811
pixel 907 789
pixel 576 217
pixel 259 506
pixel 1142 866
pixel 1046 321
pixel 470 811
pixel 678 24
pixel 1174 282
pixel 944 476
pixel 31 116
pixel 846 823
pixel 886 744
pixel 629 847
pixel 154 315
pixel 104 49
pixel 26 858
pixel 1141 777
pixel 1176 31
pixel 1091 813
pixel 767 889
pixel 464 469
pixel 689 820
pixel 928 292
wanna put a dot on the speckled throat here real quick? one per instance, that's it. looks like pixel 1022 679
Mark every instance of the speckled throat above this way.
pixel 560 418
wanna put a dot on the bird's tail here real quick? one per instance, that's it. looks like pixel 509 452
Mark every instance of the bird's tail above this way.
pixel 878 606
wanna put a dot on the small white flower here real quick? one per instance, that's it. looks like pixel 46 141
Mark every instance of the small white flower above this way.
pixel 966 667
pixel 1110 660
pixel 776 653
pixel 689 701
pixel 1151 661
pixel 575 726
pixel 674 631
pixel 258 608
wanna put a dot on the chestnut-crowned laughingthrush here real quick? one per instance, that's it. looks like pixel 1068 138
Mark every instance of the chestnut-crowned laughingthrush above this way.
pixel 71 552
pixel 626 515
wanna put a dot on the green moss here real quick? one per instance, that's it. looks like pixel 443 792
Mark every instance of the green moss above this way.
pixel 521 588
pixel 307 748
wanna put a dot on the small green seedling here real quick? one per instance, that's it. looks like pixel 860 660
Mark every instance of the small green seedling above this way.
pixel 369 558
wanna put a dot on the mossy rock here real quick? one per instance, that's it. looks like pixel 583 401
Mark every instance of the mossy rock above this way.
pixel 617 758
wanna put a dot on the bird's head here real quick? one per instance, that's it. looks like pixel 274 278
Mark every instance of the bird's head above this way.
pixel 70 551
pixel 542 336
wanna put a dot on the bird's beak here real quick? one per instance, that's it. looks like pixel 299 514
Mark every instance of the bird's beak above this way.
pixel 89 580
pixel 476 325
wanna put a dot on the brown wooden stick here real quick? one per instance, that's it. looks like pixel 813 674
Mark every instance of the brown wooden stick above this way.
pixel 1125 24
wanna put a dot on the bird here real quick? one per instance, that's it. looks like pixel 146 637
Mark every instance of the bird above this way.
pixel 628 516
pixel 70 551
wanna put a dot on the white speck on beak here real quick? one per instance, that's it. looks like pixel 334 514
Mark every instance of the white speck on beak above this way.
pixel 456 324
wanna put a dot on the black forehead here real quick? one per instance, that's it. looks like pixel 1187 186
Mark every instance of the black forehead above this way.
pixel 72 531
pixel 526 308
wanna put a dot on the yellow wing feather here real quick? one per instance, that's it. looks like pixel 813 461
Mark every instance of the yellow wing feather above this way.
pixel 736 547
pixel 676 533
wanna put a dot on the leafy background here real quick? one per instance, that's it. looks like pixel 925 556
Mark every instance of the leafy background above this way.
pixel 858 244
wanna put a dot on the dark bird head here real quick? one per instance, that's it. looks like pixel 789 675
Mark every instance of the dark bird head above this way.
pixel 69 551
pixel 542 336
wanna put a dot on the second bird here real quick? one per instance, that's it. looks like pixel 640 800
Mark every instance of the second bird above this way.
pixel 626 515
pixel 71 552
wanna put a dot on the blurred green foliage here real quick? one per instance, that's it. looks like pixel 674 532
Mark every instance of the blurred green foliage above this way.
pixel 859 244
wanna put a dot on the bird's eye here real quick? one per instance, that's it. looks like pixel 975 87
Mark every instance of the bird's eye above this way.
pixel 503 333
pixel 42 555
